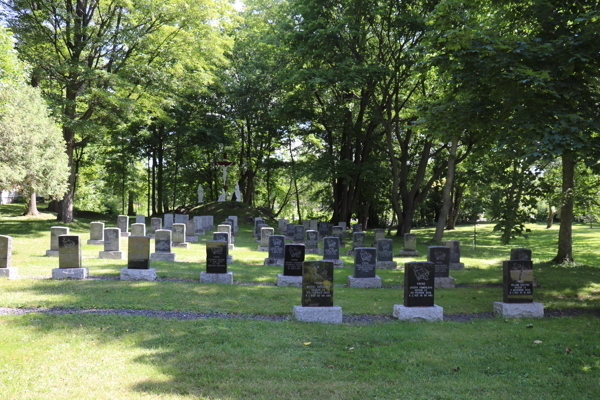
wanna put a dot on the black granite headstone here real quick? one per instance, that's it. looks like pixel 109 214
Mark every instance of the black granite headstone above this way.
pixel 419 284
pixel 216 257
pixel 520 254
pixel 323 229
pixel 294 257
pixel 276 246
pixel 440 257
pixel 365 262
pixel 221 236
pixel 138 252
pixel 317 284
pixel 331 248
pixel 384 250
pixel 518 281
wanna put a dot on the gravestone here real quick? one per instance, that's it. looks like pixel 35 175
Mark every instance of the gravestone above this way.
pixel 276 250
pixel 227 229
pixel 179 235
pixel 356 228
pixel 312 242
pixel 199 229
pixel 440 257
pixel 257 230
pixel 55 232
pixel 216 263
pixel 518 292
pixel 365 265
pixel 6 268
pixel 313 226
pixel 162 246
pixel 123 224
pixel 138 260
pixel 290 230
pixel 306 224
pixel 358 240
pixel 338 232
pixel 520 254
pixel 283 223
pixel 235 222
pixel 344 228
pixel 292 266
pixel 317 294
pixel 181 218
pixel 210 220
pixel 69 259
pixel 224 237
pixel 112 244
pixel 168 221
pixel 265 233
pixel 379 234
pixel 96 233
pixel 190 231
pixel 410 246
pixel 155 224
pixel 299 234
pixel 454 246
pixel 138 229
pixel 231 223
pixel 331 251
pixel 419 288
pixel 140 219
pixel 323 229
pixel 385 256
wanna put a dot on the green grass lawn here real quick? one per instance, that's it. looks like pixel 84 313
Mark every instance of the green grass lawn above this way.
pixel 95 356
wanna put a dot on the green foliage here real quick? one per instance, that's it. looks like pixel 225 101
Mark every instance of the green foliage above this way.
pixel 12 70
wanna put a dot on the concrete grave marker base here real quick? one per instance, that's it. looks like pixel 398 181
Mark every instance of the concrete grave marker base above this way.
pixel 313 251
pixel 519 310
pixel 274 261
pixel 417 314
pixel 409 253
pixel 51 253
pixel 283 280
pixel 10 273
pixel 162 257
pixel 70 273
pixel 184 245
pixel 138 274
pixel 262 248
pixel 387 265
pixel 226 279
pixel 364 283
pixel 112 255
pixel 457 266
pixel 445 283
pixel 95 242
pixel 191 239
pixel 326 315
pixel 125 234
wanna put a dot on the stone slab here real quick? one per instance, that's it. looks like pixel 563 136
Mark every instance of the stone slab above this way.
pixel 183 245
pixel 409 253
pixel 70 273
pixel 284 280
pixel 162 257
pixel 112 255
pixel 326 315
pixel 364 283
pixel 51 253
pixel 445 283
pixel 10 273
pixel 92 242
pixel 226 278
pixel 387 265
pixel 417 314
pixel 138 274
pixel 519 310
pixel 274 261
pixel 457 266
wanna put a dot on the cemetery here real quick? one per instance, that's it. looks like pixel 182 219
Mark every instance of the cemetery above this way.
pixel 299 200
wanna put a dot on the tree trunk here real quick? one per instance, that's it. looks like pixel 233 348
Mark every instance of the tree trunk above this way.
pixel 565 234
pixel 153 182
pixel 31 205
pixel 441 223
pixel 458 195
pixel 130 210
pixel 160 188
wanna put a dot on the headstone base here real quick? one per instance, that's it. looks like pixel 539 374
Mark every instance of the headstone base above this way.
pixel 226 278
pixel 179 244
pixel 70 273
pixel 326 315
pixel 274 261
pixel 387 265
pixel 93 242
pixel 191 239
pixel 113 255
pixel 125 234
pixel 10 273
pixel 337 263
pixel 409 253
pixel 284 280
pixel 417 314
pixel 457 266
pixel 519 310
pixel 445 283
pixel 262 248
pixel 162 257
pixel 364 283
pixel 313 251
pixel 51 253
pixel 138 274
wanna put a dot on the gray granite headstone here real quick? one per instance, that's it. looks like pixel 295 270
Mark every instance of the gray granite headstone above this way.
pixel 138 252
pixel 265 233
pixel 123 223
pixel 379 234
pixel 384 250
pixel 55 232
pixel 168 221
pixel 356 228
pixel 306 224
pixel 358 240
pixel 69 251
pixel 440 257
pixel 312 240
pixel 331 248
pixel 454 246
pixel 410 242
pixel 162 241
pixel 97 231
pixel 290 228
pixel 178 233
pixel 338 232
pixel 313 226
pixel 299 233
pixel 276 247
pixel 258 228
pixel 138 229
pixel 140 219
pixel 365 262
pixel 190 228
pixel 112 239
pixel 156 224
pixel 323 229
pixel 5 251
pixel 225 228
pixel 181 218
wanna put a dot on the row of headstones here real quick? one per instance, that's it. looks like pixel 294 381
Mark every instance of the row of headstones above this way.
pixel 196 226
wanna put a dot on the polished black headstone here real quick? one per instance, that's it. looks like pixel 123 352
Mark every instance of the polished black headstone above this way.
pixel 216 257
pixel 138 252
pixel 276 246
pixel 419 284
pixel 384 250
pixel 440 257
pixel 520 254
pixel 221 236
pixel 365 262
pixel 518 281
pixel 331 248
pixel 294 257
pixel 317 284
pixel 323 228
